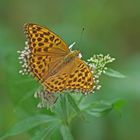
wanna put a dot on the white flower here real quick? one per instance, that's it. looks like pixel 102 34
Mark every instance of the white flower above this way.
pixel 97 63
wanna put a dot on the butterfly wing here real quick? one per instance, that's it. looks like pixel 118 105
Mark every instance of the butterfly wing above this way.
pixel 75 75
pixel 46 50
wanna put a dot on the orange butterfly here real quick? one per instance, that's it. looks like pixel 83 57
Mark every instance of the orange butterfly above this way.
pixel 50 60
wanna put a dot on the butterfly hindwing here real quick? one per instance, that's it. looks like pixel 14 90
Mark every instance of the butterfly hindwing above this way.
pixel 80 78
pixel 76 75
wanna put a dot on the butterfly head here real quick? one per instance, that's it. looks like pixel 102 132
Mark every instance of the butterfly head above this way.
pixel 77 53
pixel 72 55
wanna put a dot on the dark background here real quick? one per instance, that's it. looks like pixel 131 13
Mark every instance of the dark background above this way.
pixel 110 27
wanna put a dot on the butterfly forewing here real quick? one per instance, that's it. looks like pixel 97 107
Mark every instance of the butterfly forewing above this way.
pixel 41 40
pixel 47 49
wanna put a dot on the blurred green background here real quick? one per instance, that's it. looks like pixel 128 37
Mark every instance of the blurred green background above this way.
pixel 110 27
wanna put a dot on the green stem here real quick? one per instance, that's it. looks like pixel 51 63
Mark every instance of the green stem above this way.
pixel 64 108
pixel 80 100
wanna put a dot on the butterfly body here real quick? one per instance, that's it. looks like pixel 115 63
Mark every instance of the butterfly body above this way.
pixel 49 60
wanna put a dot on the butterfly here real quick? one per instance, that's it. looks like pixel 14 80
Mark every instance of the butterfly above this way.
pixel 47 57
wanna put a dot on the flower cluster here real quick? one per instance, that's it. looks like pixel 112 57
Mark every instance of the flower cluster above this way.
pixel 97 63
pixel 24 57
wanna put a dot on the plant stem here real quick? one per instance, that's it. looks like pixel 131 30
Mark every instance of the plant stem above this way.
pixel 80 99
pixel 64 108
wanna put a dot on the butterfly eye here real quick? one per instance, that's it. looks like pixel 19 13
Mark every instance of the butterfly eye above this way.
pixel 78 54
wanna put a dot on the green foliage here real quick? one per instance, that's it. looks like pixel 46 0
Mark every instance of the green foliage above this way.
pixel 67 103
pixel 30 123
pixel 65 132
pixel 45 132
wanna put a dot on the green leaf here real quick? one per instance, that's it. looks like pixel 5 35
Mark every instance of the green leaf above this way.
pixel 28 124
pixel 117 105
pixel 89 105
pixel 45 132
pixel 66 133
pixel 73 103
pixel 99 112
pixel 113 73
pixel 98 108
pixel 102 108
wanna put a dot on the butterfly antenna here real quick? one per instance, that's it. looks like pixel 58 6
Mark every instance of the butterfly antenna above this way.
pixel 80 40
pixel 70 47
